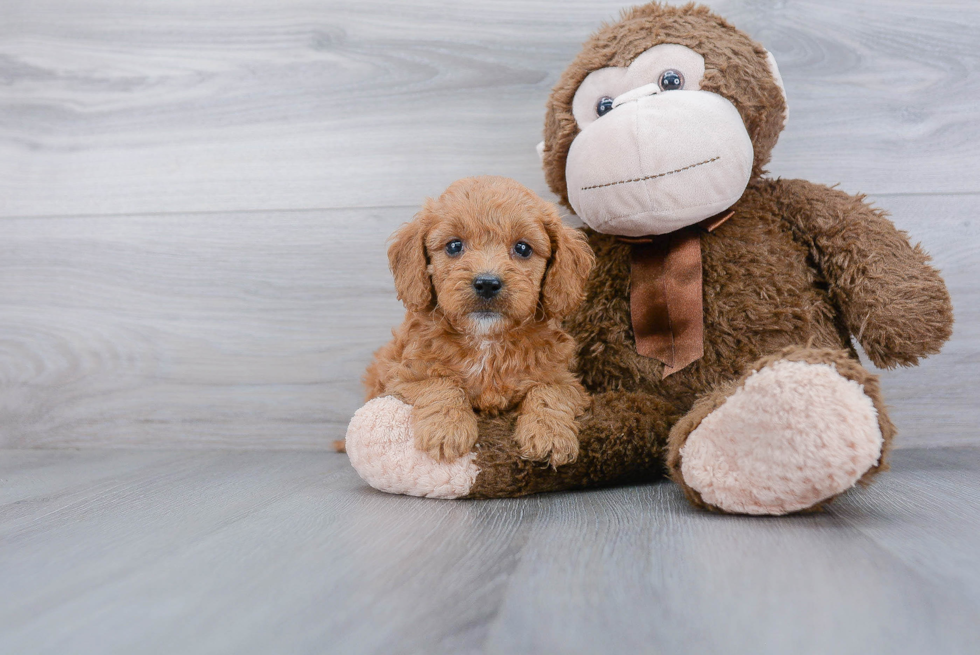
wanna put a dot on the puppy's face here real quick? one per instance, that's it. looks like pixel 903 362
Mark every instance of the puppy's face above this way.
pixel 487 264
pixel 491 255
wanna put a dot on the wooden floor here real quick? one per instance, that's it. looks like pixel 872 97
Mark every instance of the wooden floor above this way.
pixel 194 201
pixel 279 552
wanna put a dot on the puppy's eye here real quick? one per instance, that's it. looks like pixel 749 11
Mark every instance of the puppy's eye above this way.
pixel 603 106
pixel 671 80
pixel 522 250
pixel 454 247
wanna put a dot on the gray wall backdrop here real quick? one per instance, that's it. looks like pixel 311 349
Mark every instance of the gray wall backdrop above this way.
pixel 195 196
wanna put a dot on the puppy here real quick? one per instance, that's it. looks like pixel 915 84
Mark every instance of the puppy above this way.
pixel 487 271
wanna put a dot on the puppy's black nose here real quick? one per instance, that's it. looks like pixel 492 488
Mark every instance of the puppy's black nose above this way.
pixel 487 286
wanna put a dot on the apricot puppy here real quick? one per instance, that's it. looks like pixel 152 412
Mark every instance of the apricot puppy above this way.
pixel 486 271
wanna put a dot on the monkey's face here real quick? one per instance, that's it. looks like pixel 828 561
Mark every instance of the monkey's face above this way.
pixel 661 121
pixel 654 152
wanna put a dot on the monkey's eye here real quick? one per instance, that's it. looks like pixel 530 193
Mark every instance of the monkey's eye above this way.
pixel 454 247
pixel 604 106
pixel 522 250
pixel 671 80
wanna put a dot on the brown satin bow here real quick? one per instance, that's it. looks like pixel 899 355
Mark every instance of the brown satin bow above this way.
pixel 666 295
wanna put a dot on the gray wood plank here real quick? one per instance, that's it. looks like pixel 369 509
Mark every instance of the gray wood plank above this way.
pixel 51 474
pixel 637 570
pixel 113 107
pixel 222 552
pixel 249 552
pixel 251 330
pixel 926 515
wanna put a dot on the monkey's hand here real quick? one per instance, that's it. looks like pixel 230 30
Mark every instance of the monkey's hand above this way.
pixel 892 300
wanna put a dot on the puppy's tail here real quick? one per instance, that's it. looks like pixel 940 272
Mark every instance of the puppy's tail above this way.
pixel 340 445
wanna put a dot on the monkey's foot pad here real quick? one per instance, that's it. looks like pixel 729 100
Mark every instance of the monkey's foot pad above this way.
pixel 793 435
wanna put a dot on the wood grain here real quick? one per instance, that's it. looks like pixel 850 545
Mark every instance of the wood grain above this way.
pixel 112 107
pixel 251 330
pixel 194 200
pixel 171 270
pixel 926 516
pixel 638 570
pixel 223 330
pixel 245 552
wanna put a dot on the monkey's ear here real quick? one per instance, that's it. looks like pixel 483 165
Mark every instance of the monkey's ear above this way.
pixel 568 269
pixel 409 265
pixel 774 69
pixel 540 150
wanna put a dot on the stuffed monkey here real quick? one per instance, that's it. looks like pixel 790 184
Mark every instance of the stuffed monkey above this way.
pixel 715 336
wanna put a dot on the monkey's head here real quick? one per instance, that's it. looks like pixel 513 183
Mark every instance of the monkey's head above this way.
pixel 661 121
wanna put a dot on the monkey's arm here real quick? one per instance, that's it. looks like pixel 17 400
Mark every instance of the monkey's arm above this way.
pixel 622 437
pixel 892 300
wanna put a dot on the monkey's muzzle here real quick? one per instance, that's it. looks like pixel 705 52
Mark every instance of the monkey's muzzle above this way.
pixel 659 162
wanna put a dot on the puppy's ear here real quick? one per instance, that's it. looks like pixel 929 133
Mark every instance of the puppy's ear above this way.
pixel 568 269
pixel 409 264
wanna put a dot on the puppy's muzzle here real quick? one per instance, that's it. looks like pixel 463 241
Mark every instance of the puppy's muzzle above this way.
pixel 487 286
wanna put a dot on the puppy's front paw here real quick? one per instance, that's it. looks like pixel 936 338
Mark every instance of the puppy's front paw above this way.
pixel 553 439
pixel 445 432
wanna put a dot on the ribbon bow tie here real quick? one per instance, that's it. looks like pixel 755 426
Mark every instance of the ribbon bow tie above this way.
pixel 666 294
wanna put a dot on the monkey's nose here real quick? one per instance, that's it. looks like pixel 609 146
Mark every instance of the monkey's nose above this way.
pixel 636 94
pixel 487 286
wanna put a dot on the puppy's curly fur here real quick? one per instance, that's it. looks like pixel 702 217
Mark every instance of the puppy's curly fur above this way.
pixel 461 351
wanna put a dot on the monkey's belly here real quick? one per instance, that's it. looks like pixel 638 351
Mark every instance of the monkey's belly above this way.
pixel 760 294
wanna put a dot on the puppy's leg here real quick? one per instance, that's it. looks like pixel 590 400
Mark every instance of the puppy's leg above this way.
pixel 442 418
pixel 546 427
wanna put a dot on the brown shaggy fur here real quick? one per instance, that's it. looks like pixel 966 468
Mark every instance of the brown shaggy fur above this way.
pixel 796 272
pixel 451 362
pixel 734 67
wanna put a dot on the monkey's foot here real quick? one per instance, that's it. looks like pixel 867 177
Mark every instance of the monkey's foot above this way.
pixel 790 435
pixel 381 448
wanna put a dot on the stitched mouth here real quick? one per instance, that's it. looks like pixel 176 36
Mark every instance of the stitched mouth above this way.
pixel 651 177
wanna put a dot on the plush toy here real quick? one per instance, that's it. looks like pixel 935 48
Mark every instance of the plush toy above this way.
pixel 715 336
